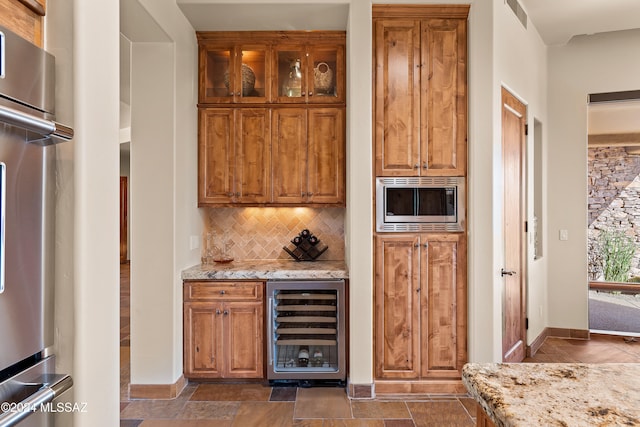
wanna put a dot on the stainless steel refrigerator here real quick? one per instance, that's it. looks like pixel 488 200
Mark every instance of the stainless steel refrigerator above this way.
pixel 29 385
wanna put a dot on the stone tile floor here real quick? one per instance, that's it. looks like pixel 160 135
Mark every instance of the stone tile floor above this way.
pixel 249 405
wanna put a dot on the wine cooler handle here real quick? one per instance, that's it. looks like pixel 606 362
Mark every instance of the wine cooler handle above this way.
pixel 270 332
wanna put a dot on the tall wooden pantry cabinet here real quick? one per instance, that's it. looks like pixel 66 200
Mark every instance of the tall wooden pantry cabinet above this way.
pixel 420 116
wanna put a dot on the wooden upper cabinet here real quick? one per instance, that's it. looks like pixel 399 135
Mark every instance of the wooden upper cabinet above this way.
pixel 25 18
pixel 420 92
pixel 271 67
pixel 234 155
pixel 271 118
pixel 309 74
pixel 216 151
pixel 232 73
pixel 326 156
pixel 397 97
pixel 253 156
pixel 443 121
pixel 308 156
pixel 289 153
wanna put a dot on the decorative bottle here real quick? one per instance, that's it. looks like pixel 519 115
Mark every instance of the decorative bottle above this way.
pixel 293 85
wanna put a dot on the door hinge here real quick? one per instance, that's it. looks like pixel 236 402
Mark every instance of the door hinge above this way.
pixel 526 323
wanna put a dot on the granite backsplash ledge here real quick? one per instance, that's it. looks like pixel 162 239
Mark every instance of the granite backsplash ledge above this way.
pixel 261 233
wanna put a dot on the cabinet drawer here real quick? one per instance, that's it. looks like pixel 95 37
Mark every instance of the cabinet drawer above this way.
pixel 223 291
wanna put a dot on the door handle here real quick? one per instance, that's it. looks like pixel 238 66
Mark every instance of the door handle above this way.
pixel 504 272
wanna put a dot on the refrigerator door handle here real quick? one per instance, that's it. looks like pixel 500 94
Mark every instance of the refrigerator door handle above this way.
pixel 50 131
pixel 46 393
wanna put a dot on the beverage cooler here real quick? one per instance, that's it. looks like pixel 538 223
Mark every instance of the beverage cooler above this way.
pixel 306 329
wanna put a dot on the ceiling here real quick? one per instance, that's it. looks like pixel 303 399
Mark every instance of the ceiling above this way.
pixel 559 20
pixel 556 20
pixel 261 15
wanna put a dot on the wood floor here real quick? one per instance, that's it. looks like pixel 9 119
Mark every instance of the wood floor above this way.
pixel 248 405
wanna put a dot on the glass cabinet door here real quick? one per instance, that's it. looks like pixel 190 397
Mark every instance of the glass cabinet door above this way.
pixel 310 75
pixel 325 74
pixel 234 74
pixel 217 78
pixel 252 79
pixel 290 84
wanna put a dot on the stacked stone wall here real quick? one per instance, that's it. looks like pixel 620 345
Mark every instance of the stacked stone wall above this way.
pixel 614 201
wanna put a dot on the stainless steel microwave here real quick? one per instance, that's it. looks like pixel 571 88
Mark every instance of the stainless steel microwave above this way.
pixel 420 204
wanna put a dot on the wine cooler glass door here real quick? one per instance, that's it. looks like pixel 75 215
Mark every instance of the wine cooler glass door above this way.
pixel 306 330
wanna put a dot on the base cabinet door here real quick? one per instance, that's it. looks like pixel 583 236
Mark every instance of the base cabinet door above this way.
pixel 223 330
pixel 203 339
pixel 397 307
pixel 420 306
pixel 443 308
pixel 244 344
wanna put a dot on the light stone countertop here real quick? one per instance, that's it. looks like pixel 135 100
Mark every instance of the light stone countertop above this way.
pixel 268 270
pixel 556 394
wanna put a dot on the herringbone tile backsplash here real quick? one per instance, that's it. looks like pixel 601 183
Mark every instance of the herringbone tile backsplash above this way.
pixel 260 233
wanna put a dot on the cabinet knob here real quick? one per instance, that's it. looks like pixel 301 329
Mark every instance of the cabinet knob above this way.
pixel 222 292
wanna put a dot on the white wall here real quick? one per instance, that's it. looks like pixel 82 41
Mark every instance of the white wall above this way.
pixel 163 191
pixel 520 61
pixel 587 64
pixel 359 218
pixel 95 261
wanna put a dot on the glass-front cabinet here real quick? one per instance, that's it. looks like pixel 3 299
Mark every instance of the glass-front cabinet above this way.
pixel 233 74
pixel 305 74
